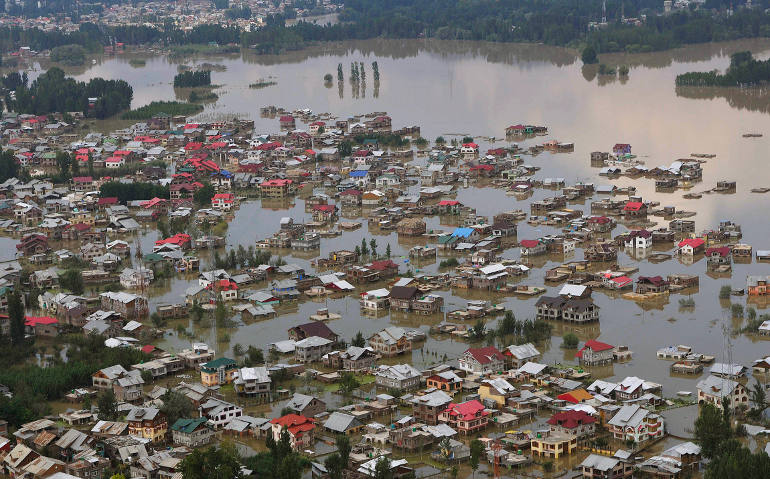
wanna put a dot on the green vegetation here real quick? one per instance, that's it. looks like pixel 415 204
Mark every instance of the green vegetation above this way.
pixel 279 461
pixel 177 406
pixel 133 191
pixel 71 55
pixel 358 340
pixel 32 385
pixel 477 451
pixel 736 310
pixel 328 78
pixel 724 291
pixel 212 462
pixel 9 168
pixel 728 457
pixel 53 92
pixel 744 70
pixel 262 83
pixel 168 107
pixel 570 341
pixel 72 280
pixel 137 62
pixel 192 79
pixel 510 329
pixel 589 55
pixel 687 303
pixel 199 97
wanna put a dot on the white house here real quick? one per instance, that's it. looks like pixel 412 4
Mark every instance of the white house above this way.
pixel 713 389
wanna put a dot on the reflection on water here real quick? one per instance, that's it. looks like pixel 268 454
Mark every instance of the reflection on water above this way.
pixel 751 99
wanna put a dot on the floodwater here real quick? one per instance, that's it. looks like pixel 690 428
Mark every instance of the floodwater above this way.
pixel 478 89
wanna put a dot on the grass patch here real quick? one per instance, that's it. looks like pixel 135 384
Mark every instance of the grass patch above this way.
pixel 137 62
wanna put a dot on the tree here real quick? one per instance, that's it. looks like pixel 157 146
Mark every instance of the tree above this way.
pixel 589 55
pixel 108 405
pixel 334 466
pixel 570 341
pixel 364 247
pixel 758 396
pixel 203 195
pixel 373 246
pixel 72 279
pixel 343 447
pixel 382 468
pixel 358 340
pixel 733 459
pixel 478 331
pixel 328 78
pixel 16 318
pixel 63 162
pixel 340 73
pixel 176 406
pixel 477 450
pixel 211 463
pixel 387 251
pixel 254 356
pixel 9 168
pixel 710 429
pixel 348 383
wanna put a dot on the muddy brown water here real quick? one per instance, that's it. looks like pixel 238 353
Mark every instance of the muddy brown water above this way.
pixel 479 89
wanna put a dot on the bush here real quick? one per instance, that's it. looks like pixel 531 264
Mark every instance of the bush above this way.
pixel 570 341
pixel 724 291
pixel 71 55
pixel 737 310
pixel 687 303
pixel 448 263
pixel 589 55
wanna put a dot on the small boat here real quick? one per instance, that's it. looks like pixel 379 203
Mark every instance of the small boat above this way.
pixel 93 61
pixel 752 135
pixel 684 393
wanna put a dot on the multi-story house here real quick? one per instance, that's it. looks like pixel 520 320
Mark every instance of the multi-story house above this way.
pixel 596 466
pixel 148 423
pixel 446 381
pixel 482 361
pixel 304 405
pixel 219 412
pixel 401 377
pixel 428 407
pixel 553 444
pixel 300 428
pixel 465 418
pixel 128 388
pixel 254 382
pixel 496 391
pixel 311 349
pixel 219 372
pixel 391 341
pixel 595 353
pixel 576 423
pixel 192 432
pixel 634 423
pixel 713 389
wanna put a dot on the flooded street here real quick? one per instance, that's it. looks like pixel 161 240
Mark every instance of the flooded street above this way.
pixel 479 89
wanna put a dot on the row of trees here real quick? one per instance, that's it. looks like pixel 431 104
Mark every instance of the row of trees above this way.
pixel 744 70
pixel 192 79
pixel 559 22
pixel 53 92
pixel 133 191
